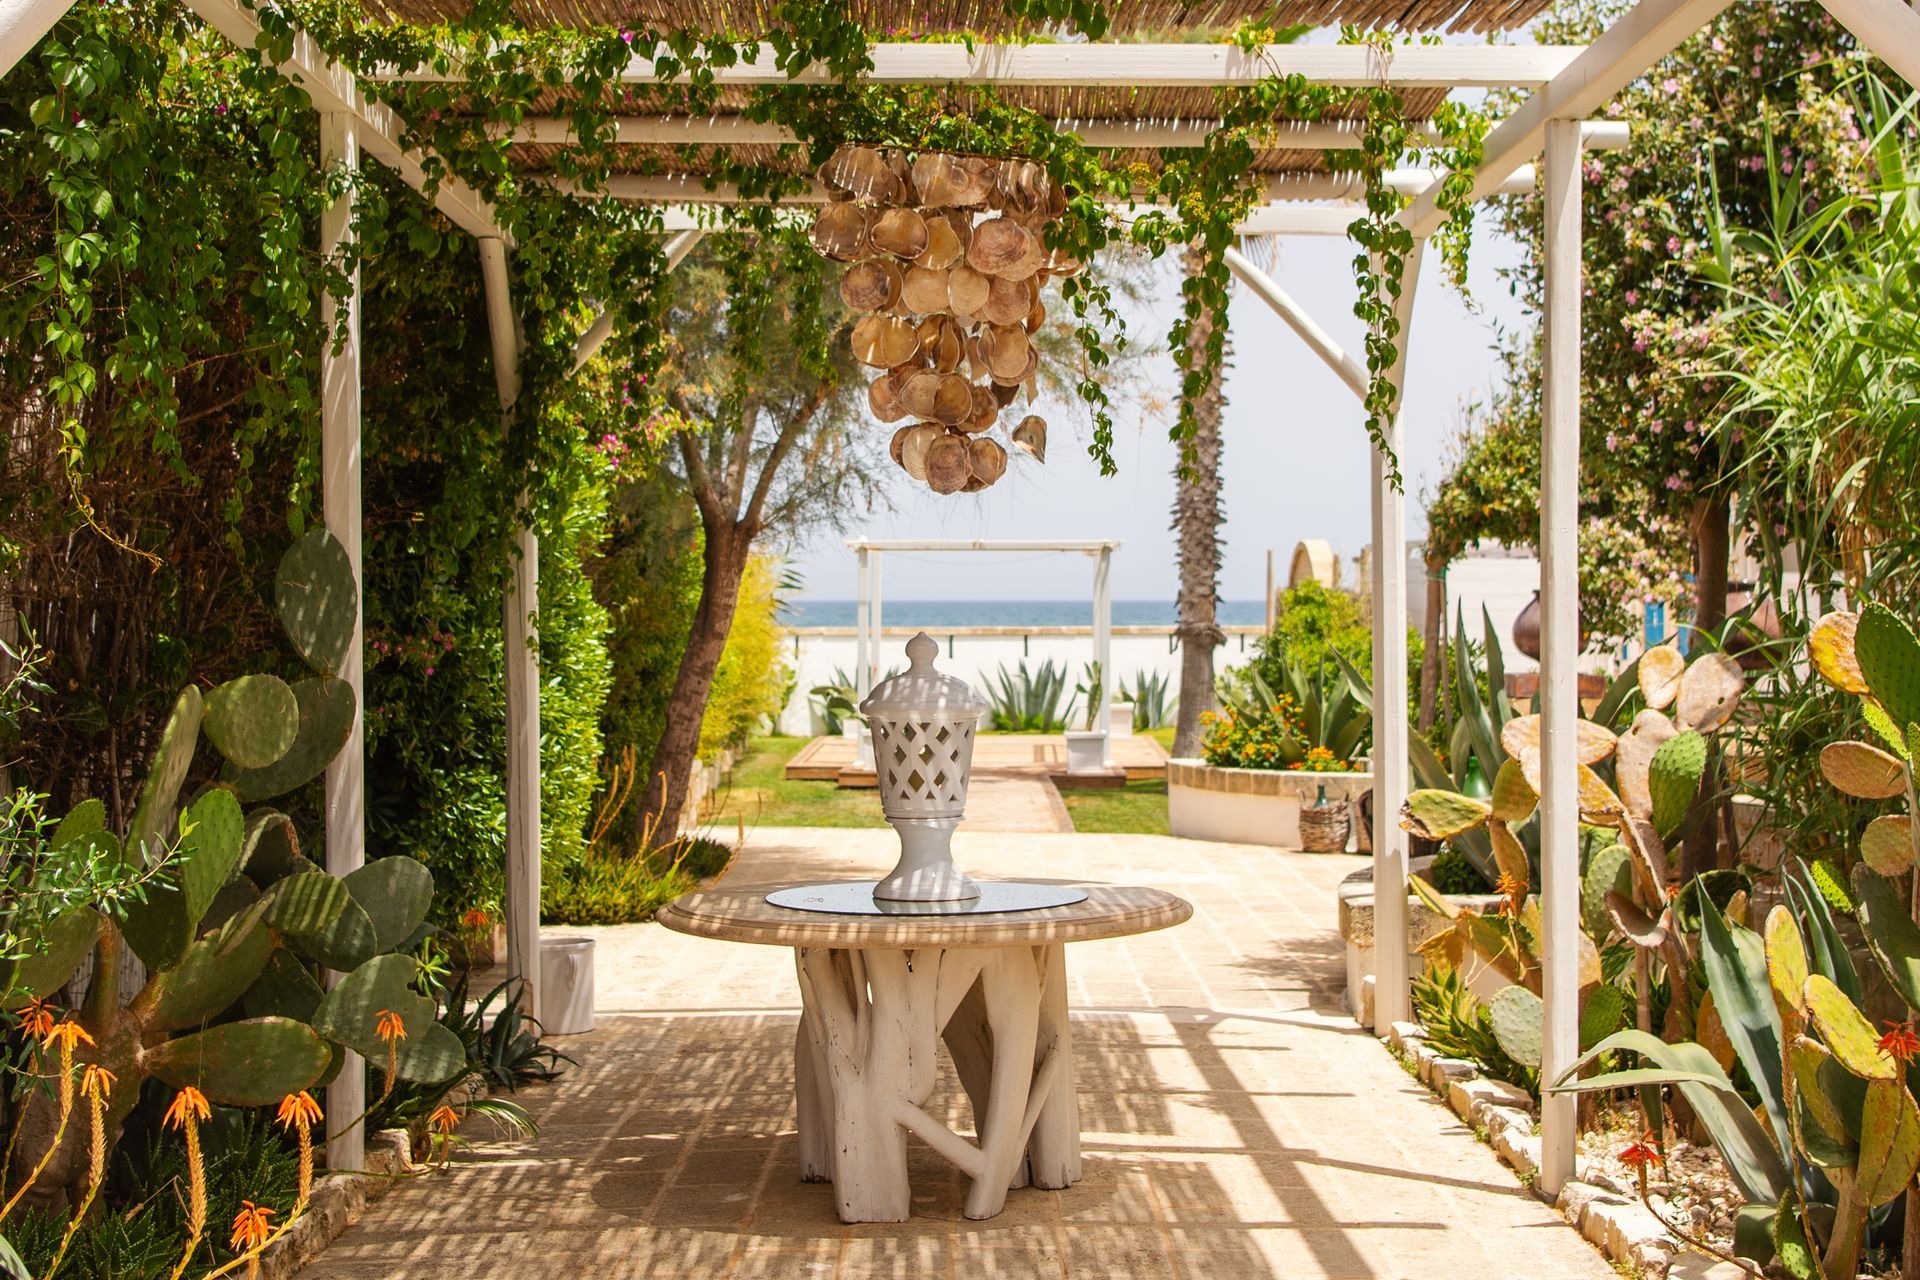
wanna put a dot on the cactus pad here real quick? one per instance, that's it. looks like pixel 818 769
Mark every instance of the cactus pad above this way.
pixel 1889 658
pixel 215 972
pixel 1889 1142
pixel 345 944
pixel 1673 779
pixel 1513 800
pixel 1608 871
pixel 1709 691
pixel 350 1015
pixel 1510 858
pixel 1849 1037
pixel 83 819
pixel 1786 968
pixel 1659 673
pixel 431 1057
pixel 210 850
pixel 1592 743
pixel 153 816
pixel 395 893
pixel 305 904
pixel 1892 935
pixel 327 712
pixel 1863 772
pixel 243 1064
pixel 1633 757
pixel 270 848
pixel 1516 1015
pixel 1602 1014
pixel 1599 804
pixel 1887 844
pixel 1439 815
pixel 63 944
pixel 318 600
pixel 1881 723
pixel 253 720
pixel 1820 1120
pixel 1831 647
pixel 284 989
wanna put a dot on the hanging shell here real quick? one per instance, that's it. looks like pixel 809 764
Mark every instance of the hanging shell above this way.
pixel 952 400
pixel 943 245
pixel 900 232
pixel 942 344
pixel 985 413
pixel 949 464
pixel 913 449
pixel 884 341
pixel 1004 394
pixel 864 173
pixel 939 178
pixel 918 392
pixel 968 290
pixel 883 399
pixel 998 245
pixel 840 232
pixel 870 286
pixel 988 459
pixel 1031 437
pixel 1006 350
pixel 897 447
pixel 924 291
pixel 1008 301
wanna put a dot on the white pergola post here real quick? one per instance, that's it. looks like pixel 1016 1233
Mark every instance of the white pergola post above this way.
pixel 876 653
pixel 861 610
pixel 1103 648
pixel 1559 647
pixel 346 786
pixel 23 23
pixel 522 654
pixel 1390 997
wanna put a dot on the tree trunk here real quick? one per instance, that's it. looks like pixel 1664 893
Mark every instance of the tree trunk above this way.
pixel 1712 549
pixel 724 563
pixel 1430 653
pixel 1196 524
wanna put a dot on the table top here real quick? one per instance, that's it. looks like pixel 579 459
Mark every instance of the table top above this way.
pixel 745 915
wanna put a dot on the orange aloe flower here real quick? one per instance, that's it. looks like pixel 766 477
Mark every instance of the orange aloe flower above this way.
pixel 299 1111
pixel 37 1019
pixel 444 1120
pixel 188 1108
pixel 388 1025
pixel 66 1035
pixel 96 1081
pixel 1641 1155
pixel 1901 1041
pixel 251 1227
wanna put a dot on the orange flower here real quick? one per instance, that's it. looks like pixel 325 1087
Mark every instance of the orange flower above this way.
pixel 1512 886
pixel 476 918
pixel 1901 1041
pixel 389 1026
pixel 66 1035
pixel 299 1111
pixel 96 1081
pixel 37 1019
pixel 250 1227
pixel 444 1119
pixel 1641 1155
pixel 188 1108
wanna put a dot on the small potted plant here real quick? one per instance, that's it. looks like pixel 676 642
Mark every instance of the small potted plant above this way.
pixel 1087 748
pixel 1325 824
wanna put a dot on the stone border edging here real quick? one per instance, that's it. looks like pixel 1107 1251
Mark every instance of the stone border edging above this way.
pixel 1618 1225
pixel 338 1201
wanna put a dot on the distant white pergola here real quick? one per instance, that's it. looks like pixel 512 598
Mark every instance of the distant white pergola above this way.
pixel 867 655
pixel 1566 84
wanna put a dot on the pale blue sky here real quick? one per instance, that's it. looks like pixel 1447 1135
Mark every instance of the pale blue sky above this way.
pixel 1295 451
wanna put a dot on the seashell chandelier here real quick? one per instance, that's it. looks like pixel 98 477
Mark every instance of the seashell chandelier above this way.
pixel 947 258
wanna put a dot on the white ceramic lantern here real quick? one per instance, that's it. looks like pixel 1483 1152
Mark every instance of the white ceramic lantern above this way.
pixel 923 725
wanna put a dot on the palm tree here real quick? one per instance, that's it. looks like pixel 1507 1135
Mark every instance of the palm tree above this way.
pixel 1196 525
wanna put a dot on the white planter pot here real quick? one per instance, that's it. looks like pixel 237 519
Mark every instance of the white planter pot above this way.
pixel 1120 719
pixel 1086 752
pixel 566 985
pixel 1249 806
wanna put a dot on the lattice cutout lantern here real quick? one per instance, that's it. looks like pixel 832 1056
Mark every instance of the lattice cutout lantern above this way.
pixel 923 725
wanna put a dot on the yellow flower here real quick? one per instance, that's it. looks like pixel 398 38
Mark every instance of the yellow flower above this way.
pixel 188 1107
pixel 251 1227
pixel 299 1111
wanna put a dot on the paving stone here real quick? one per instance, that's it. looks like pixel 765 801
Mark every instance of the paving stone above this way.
pixel 1237 1123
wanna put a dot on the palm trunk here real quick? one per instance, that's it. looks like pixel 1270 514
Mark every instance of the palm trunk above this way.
pixel 1196 524
pixel 724 564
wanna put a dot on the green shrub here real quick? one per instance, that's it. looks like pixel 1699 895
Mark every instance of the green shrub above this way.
pixel 1454 872
pixel 609 888
pixel 751 683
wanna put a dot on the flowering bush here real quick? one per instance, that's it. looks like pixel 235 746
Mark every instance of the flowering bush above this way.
pixel 1322 760
pixel 1243 740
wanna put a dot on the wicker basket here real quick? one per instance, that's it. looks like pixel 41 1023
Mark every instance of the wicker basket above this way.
pixel 1324 827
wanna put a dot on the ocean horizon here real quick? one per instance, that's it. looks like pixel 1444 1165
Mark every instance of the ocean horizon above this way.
pixel 806 612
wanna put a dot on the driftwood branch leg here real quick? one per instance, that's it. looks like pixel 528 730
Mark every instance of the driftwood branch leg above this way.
pixel 1010 983
pixel 969 1043
pixel 813 1095
pixel 1053 1152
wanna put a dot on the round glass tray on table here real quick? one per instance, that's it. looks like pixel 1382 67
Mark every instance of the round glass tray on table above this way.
pixel 856 898
pixel 879 990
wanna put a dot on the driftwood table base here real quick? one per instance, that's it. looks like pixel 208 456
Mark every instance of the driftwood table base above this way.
pixel 878 996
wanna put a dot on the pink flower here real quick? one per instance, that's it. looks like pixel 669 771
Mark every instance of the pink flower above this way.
pixel 1673 244
pixel 1675 483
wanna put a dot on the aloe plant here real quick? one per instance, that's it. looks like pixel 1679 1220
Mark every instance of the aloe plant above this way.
pixel 1028 700
pixel 234 923
pixel 1318 707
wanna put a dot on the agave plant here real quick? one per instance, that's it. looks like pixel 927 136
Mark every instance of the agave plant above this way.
pixel 233 924
pixel 1030 700
pixel 1321 707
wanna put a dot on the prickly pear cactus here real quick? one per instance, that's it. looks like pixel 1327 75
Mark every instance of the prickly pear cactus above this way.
pixel 253 720
pixel 1438 815
pixel 326 711
pixel 1849 1037
pixel 1889 662
pixel 1862 771
pixel 1609 870
pixel 1673 779
pixel 316 596
pixel 1517 1016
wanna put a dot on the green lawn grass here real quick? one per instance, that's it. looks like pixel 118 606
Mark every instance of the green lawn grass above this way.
pixel 1163 735
pixel 761 796
pixel 1139 808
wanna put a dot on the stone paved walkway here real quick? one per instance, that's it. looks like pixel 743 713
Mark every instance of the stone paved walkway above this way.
pixel 1237 1123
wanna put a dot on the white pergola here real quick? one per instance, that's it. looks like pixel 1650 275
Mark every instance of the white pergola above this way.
pixel 867 552
pixel 1567 85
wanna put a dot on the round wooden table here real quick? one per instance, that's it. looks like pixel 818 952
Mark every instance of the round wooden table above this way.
pixel 878 991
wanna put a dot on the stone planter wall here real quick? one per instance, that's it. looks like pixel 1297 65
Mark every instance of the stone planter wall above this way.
pixel 1250 806
pixel 1355 899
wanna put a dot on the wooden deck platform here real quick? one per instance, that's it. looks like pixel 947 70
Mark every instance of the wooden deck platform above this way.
pixel 831 759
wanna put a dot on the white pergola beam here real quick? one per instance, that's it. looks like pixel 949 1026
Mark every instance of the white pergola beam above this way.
pixel 1560 647
pixel 340 443
pixel 1624 52
pixel 382 132
pixel 1888 28
pixel 1134 66
pixel 1349 370
pixel 23 23
pixel 736 131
